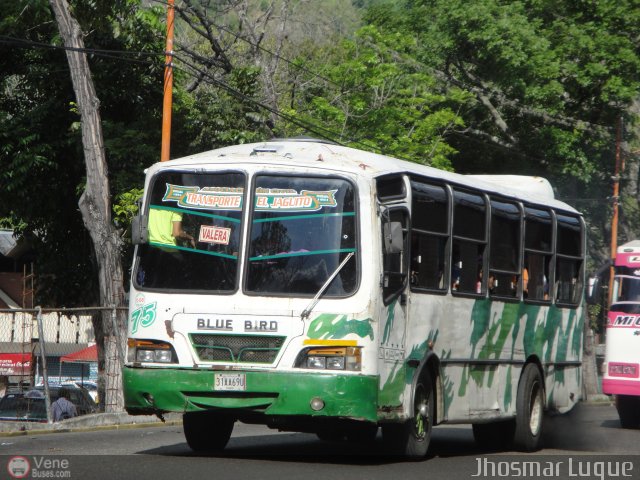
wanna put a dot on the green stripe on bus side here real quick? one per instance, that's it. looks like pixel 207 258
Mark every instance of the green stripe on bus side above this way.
pixel 302 217
pixel 301 254
pixel 205 252
pixel 200 214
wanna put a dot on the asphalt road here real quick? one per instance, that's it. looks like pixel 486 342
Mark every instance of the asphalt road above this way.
pixel 160 453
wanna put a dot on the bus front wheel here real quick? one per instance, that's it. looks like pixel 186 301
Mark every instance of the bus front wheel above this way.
pixel 411 438
pixel 207 432
pixel 529 410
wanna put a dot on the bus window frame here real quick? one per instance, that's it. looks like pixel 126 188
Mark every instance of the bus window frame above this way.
pixel 446 235
pixel 453 237
pixel 385 217
pixel 250 212
pixel 149 190
pixel 581 258
pixel 385 200
pixel 519 265
pixel 550 253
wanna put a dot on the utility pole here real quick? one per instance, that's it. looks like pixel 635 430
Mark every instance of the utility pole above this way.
pixel 168 85
pixel 619 168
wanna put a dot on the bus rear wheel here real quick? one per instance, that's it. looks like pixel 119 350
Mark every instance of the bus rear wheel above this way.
pixel 628 410
pixel 411 438
pixel 529 410
pixel 207 432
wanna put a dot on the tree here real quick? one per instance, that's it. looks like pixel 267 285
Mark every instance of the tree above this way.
pixel 373 93
pixel 43 172
pixel 95 203
pixel 549 81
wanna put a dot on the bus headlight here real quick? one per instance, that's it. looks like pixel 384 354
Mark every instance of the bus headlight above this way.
pixel 149 351
pixel 331 358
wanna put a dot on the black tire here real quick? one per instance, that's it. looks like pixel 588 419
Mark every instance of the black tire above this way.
pixel 411 439
pixel 628 410
pixel 496 436
pixel 529 410
pixel 207 432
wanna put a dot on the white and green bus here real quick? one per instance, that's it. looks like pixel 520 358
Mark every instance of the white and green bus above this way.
pixel 312 287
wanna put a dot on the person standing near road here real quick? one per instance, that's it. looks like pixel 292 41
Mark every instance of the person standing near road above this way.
pixel 62 408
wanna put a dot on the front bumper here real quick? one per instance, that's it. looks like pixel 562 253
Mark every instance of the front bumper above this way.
pixel 269 393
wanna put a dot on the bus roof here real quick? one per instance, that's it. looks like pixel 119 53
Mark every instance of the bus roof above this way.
pixel 630 247
pixel 315 153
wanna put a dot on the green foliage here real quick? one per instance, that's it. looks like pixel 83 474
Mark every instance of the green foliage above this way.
pixel 212 117
pixel 126 206
pixel 557 73
pixel 549 82
pixel 41 156
pixel 526 87
pixel 379 96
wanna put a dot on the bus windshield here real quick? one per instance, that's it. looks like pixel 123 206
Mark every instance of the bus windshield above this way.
pixel 626 287
pixel 301 229
pixel 194 232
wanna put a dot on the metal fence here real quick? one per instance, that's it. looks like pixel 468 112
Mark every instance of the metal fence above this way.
pixel 49 347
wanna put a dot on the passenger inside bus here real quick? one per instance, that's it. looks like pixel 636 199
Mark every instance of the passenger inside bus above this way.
pixel 165 227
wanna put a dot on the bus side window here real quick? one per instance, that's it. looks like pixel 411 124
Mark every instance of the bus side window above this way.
pixel 469 242
pixel 538 243
pixel 569 259
pixel 429 236
pixel 504 257
pixel 394 263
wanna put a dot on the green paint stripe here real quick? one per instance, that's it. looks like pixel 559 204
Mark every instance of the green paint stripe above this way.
pixel 301 217
pixel 200 214
pixel 301 254
pixel 186 249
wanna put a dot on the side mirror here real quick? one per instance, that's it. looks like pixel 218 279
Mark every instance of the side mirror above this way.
pixel 393 241
pixel 139 229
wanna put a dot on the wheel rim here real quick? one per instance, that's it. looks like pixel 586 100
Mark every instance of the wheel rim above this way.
pixel 422 420
pixel 535 409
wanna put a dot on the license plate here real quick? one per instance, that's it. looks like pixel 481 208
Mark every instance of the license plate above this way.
pixel 234 382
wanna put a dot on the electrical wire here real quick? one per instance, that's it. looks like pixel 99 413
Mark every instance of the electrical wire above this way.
pixel 115 54
pixel 312 128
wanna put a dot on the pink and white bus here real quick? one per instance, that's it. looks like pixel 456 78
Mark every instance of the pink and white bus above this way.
pixel 622 357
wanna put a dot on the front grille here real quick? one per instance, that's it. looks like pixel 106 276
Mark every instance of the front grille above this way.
pixel 236 348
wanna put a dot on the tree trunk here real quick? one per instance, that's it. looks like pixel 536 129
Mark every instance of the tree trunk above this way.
pixel 589 364
pixel 94 203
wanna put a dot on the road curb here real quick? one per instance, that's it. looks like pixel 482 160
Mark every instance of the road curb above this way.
pixel 599 399
pixel 93 422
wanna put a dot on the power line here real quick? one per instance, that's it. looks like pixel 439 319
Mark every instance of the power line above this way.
pixel 115 54
pixel 124 55
pixel 315 129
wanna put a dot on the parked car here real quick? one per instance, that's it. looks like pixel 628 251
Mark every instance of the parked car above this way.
pixel 30 406
pixel 79 396
pixel 89 385
pixel 23 407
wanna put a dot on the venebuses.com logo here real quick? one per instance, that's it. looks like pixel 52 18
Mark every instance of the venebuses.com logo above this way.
pixel 18 467
pixel 38 467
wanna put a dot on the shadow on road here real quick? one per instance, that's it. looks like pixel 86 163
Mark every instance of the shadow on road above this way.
pixel 580 430
pixel 296 447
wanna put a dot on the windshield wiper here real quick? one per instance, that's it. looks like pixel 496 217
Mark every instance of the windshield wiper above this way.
pixel 307 311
